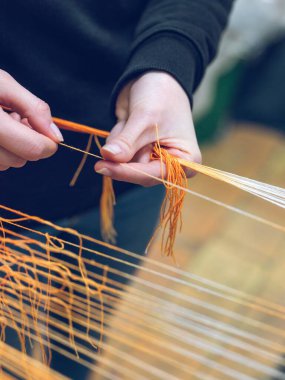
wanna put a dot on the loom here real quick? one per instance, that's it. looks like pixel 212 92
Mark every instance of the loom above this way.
pixel 67 307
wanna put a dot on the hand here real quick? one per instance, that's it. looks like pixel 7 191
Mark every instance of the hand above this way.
pixel 155 98
pixel 27 134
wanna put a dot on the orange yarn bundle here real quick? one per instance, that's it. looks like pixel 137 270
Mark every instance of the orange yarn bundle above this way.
pixel 171 209
pixel 107 203
pixel 108 199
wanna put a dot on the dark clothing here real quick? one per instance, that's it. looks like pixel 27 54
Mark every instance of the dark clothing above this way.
pixel 74 55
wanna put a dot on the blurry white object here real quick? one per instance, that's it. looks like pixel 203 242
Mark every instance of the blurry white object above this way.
pixel 253 24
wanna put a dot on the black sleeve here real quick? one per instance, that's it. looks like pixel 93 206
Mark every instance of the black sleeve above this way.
pixel 179 37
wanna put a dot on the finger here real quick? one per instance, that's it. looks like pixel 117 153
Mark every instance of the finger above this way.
pixel 137 132
pixel 138 173
pixel 15 116
pixel 3 168
pixel 25 121
pixel 116 130
pixel 143 155
pixel 26 104
pixel 8 159
pixel 122 104
pixel 23 141
pixel 195 157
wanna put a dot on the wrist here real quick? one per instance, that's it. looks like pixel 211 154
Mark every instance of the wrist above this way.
pixel 165 81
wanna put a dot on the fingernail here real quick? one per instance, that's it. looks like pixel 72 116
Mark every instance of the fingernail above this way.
pixel 104 171
pixel 56 132
pixel 112 148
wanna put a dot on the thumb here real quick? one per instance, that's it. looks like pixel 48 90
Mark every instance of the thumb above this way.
pixel 126 139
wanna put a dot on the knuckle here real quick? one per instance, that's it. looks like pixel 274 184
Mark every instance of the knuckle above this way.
pixel 41 106
pixel 37 106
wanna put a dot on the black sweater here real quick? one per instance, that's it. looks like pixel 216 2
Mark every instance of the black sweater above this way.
pixel 77 55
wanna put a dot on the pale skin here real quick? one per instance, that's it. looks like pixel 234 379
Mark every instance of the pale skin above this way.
pixel 27 134
pixel 154 99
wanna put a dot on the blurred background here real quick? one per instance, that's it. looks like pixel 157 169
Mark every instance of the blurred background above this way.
pixel 239 115
pixel 246 81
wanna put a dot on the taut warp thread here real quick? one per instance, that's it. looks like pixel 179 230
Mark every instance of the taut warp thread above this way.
pixel 57 292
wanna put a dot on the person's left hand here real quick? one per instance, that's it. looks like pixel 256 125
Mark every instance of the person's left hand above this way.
pixel 155 98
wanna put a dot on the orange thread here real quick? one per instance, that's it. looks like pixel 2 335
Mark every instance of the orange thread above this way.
pixel 72 126
pixel 21 280
pixel 171 209
pixel 107 203
pixel 82 162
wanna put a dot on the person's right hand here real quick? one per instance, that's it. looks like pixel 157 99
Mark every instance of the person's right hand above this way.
pixel 28 133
